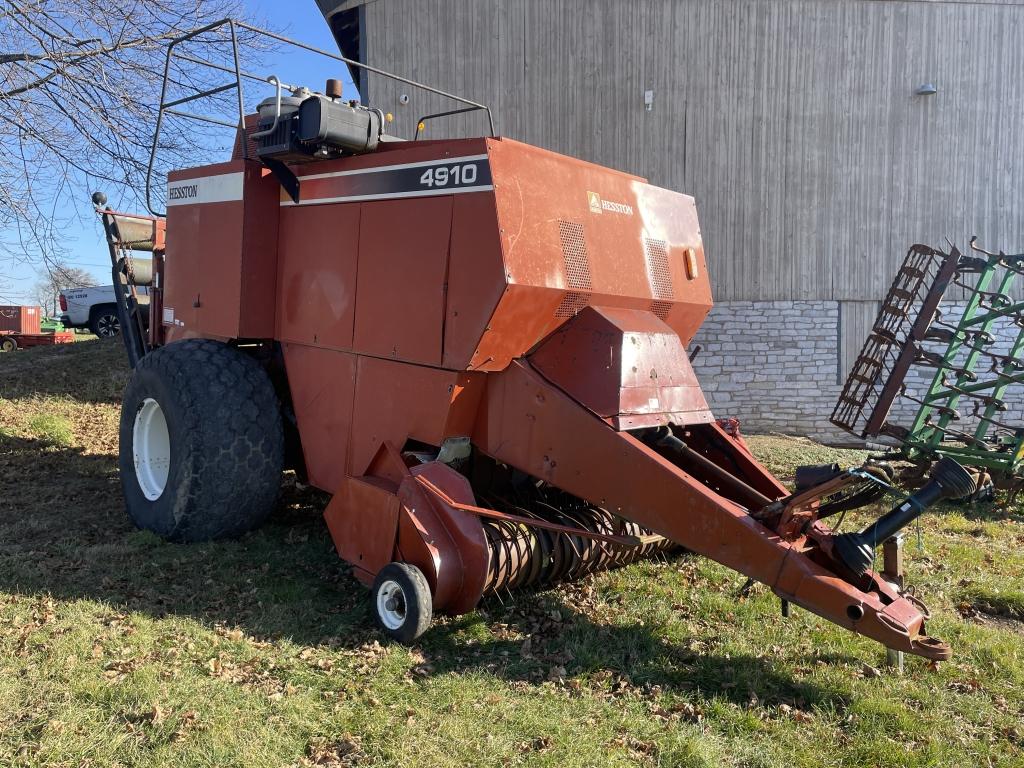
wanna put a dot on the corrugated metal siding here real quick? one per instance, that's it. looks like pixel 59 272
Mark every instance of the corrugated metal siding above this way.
pixel 793 122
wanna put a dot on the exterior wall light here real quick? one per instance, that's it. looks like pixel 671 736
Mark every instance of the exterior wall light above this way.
pixel 928 89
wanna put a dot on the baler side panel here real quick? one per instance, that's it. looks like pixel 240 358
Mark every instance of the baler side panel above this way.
pixel 220 271
pixel 575 234
pixel 625 365
pixel 525 316
pixel 363 520
pixel 397 401
pixel 259 273
pixel 476 276
pixel 403 262
pixel 200 296
pixel 322 383
pixel 318 247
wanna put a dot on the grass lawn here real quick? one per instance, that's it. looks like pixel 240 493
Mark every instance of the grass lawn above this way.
pixel 119 649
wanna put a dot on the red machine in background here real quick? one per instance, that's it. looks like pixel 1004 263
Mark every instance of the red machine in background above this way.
pixel 21 327
pixel 478 347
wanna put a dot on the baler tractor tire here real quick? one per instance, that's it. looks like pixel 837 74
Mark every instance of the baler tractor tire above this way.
pixel 402 603
pixel 10 344
pixel 103 321
pixel 202 445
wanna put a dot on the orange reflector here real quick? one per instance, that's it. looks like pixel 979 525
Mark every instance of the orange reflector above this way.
pixel 692 272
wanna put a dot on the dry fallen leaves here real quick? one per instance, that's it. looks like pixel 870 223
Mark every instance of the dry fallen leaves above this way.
pixel 964 686
pixel 422 670
pixel 157 715
pixel 684 711
pixel 637 749
pixel 188 721
pixel 539 744
pixel 233 634
pixel 118 670
pixel 795 714
pixel 868 671
pixel 323 753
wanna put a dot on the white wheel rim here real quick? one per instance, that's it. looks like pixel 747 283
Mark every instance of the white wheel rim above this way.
pixel 391 604
pixel 151 448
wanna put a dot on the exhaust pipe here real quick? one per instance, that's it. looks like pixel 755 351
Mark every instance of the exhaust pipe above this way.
pixel 949 480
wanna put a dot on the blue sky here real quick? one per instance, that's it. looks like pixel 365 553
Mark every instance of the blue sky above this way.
pixel 301 21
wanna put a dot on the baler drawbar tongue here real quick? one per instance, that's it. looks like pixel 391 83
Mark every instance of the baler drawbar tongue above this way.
pixel 783 544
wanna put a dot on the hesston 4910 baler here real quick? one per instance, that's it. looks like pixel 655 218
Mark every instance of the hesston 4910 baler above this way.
pixel 479 348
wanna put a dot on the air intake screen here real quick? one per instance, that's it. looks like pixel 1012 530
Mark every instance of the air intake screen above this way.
pixel 656 255
pixel 577 268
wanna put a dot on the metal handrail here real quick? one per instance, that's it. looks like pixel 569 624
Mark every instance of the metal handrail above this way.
pixel 422 122
pixel 277 113
pixel 233 25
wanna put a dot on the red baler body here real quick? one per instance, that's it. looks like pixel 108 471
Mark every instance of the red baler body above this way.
pixel 483 289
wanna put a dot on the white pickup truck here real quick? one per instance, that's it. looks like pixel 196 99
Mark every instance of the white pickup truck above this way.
pixel 95 309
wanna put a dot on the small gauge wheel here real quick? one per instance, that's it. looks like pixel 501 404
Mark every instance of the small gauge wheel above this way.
pixel 402 603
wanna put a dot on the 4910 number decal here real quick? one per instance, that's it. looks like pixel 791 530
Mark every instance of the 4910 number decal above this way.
pixel 449 175
pixel 433 178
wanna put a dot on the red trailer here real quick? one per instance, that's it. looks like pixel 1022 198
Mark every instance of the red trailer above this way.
pixel 20 328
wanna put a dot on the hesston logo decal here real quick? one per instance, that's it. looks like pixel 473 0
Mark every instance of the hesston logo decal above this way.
pixel 219 188
pixel 183 192
pixel 597 205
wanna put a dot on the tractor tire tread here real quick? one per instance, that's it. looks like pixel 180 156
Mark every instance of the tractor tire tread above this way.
pixel 98 311
pixel 229 439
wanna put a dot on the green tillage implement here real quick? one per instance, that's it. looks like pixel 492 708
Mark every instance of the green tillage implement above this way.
pixel 984 376
pixel 978 363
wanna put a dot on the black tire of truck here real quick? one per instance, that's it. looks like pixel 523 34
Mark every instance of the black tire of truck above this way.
pixel 202 442
pixel 103 321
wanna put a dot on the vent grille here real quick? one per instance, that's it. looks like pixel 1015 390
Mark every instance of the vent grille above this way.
pixel 577 268
pixel 661 308
pixel 659 276
pixel 572 303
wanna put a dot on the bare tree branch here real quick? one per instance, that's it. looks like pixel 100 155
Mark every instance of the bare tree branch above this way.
pixel 79 94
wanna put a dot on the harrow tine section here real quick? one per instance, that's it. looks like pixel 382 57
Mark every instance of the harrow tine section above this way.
pixel 977 362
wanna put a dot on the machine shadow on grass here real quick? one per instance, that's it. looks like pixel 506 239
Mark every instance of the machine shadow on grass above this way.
pixel 64 532
pixel 91 371
pixel 630 658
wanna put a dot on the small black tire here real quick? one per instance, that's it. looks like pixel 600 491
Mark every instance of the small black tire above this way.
pixel 103 321
pixel 10 344
pixel 401 601
pixel 202 443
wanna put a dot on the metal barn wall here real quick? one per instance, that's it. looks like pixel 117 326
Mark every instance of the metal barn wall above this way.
pixel 794 123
